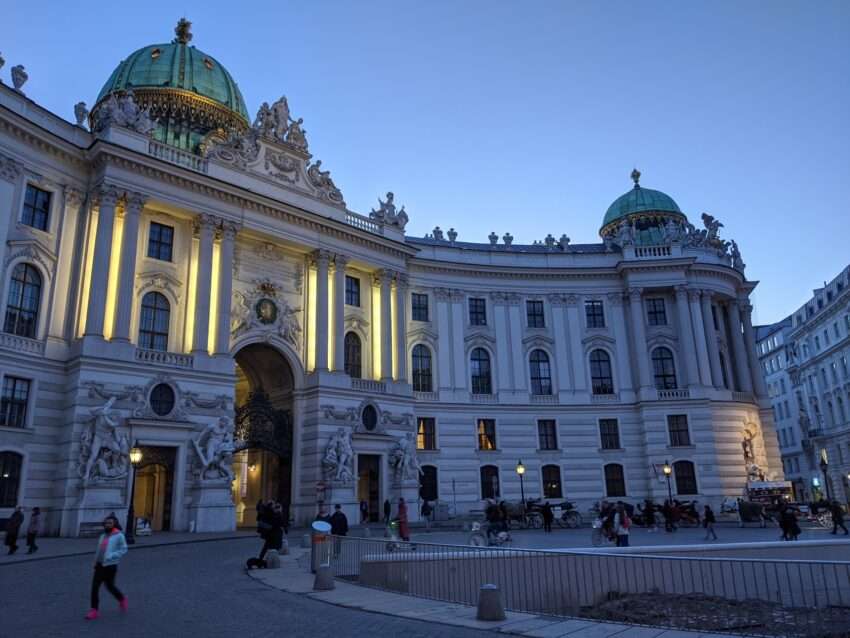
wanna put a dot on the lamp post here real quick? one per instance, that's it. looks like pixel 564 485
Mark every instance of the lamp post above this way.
pixel 667 472
pixel 520 469
pixel 824 466
pixel 135 459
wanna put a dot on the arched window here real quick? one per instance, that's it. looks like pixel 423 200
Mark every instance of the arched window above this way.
pixel 352 356
pixel 422 369
pixel 490 481
pixel 156 316
pixel 686 478
pixel 428 483
pixel 601 378
pixel 723 371
pixel 552 481
pixel 480 364
pixel 22 302
pixel 10 478
pixel 541 376
pixel 664 369
pixel 615 480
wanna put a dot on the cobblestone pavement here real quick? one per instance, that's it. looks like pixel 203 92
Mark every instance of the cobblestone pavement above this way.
pixel 182 590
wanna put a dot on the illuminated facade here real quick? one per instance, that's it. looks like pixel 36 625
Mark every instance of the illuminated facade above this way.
pixel 174 266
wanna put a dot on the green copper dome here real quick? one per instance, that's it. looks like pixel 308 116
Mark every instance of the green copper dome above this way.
pixel 189 93
pixel 640 200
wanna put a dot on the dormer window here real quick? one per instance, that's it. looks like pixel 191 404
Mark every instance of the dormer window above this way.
pixel 155 54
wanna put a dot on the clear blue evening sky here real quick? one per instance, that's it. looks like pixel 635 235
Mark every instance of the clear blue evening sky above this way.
pixel 526 116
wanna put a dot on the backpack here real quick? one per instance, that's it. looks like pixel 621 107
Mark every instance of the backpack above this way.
pixel 626 523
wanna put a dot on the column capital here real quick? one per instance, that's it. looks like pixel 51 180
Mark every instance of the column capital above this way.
pixel 74 197
pixel 448 294
pixel 682 290
pixel 571 300
pixel 229 229
pixel 615 298
pixel 204 223
pixel 383 277
pixel 135 203
pixel 10 169
pixel 745 307
pixel 556 300
pixel 635 293
pixel 694 294
pixel 341 261
pixel 320 258
pixel 505 298
pixel 107 195
pixel 401 281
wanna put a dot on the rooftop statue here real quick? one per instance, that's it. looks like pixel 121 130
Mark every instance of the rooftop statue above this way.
pixel 625 234
pixel 280 115
pixel 387 214
pixel 264 122
pixel 322 181
pixel 19 76
pixel 297 136
pixel 124 112
pixel 81 113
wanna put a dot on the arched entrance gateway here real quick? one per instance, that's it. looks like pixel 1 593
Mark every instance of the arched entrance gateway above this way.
pixel 262 469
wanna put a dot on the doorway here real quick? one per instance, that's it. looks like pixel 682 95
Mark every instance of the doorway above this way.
pixel 153 490
pixel 369 484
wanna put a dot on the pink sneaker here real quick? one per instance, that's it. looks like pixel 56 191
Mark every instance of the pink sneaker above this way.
pixel 123 604
pixel 92 615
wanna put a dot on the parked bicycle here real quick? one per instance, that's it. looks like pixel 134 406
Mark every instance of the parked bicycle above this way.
pixel 570 516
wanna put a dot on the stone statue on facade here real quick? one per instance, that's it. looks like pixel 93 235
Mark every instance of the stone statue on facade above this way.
pixel 281 118
pixel 264 121
pixel 403 459
pixel 737 261
pixel 81 113
pixel 338 462
pixel 103 452
pixel 625 234
pixel 19 76
pixel 672 231
pixel 215 448
pixel 124 112
pixel 322 181
pixel 239 149
pixel 387 214
pixel 297 136
pixel 712 227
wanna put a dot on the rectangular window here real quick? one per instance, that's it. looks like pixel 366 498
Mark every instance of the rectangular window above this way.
pixel 352 291
pixel 826 337
pixel 486 434
pixel 595 314
pixel 835 330
pixel 615 480
pixel 477 311
pixel 546 434
pixel 13 405
pixel 656 312
pixel 426 434
pixel 552 482
pixel 677 425
pixel 419 306
pixel 609 433
pixel 534 312
pixel 160 241
pixel 36 208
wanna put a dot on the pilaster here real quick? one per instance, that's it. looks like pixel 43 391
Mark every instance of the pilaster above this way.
pixel 127 267
pixel 107 199
pixel 703 365
pixel 225 287
pixel 322 260
pixel 340 263
pixel 205 229
pixel 686 336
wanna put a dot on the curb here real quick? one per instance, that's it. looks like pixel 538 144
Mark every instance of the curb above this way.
pixel 131 548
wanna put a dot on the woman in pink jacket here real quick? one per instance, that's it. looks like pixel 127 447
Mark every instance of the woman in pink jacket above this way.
pixel 110 548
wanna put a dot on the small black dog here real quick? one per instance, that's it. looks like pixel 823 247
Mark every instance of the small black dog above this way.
pixel 255 563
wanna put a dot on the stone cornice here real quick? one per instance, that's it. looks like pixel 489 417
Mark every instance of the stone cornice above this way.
pixel 508 272
pixel 34 135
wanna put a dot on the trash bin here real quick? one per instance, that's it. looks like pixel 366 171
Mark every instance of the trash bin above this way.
pixel 319 545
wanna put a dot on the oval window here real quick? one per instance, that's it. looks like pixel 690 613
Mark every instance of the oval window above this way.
pixel 162 399
pixel 370 418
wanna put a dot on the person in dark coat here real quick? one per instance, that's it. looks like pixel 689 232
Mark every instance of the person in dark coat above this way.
pixel 708 521
pixel 13 526
pixel 284 512
pixel 272 534
pixel 548 516
pixel 364 512
pixel 32 530
pixel 837 518
pixel 339 527
pixel 387 511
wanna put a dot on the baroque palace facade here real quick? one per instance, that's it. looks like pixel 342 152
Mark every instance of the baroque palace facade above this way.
pixel 180 279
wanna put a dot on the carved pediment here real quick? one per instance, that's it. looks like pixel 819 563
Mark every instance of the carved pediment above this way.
pixel 538 341
pixel 479 336
pixel 158 280
pixel 422 333
pixel 598 340
pixel 264 309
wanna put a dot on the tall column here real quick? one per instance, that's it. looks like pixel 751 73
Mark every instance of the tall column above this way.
pixel 518 361
pixel 739 350
pixel 576 349
pixel 401 327
pixel 559 329
pixel 686 335
pixel 445 346
pixel 699 337
pixel 205 227
pixel 62 295
pixel 711 340
pixel 639 332
pixel 99 280
pixel 385 279
pixel 624 364
pixel 501 323
pixel 127 267
pixel 750 344
pixel 457 312
pixel 340 262
pixel 322 259
pixel 225 287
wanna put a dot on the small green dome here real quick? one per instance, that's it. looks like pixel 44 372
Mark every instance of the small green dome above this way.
pixel 640 200
pixel 176 65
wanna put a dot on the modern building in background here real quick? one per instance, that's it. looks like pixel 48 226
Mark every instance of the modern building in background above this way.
pixel 819 371
pixel 182 280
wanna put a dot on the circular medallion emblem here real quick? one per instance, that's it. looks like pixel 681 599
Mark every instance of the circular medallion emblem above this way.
pixel 266 310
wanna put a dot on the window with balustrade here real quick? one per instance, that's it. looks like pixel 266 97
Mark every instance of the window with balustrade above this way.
pixel 615 480
pixel 609 434
pixel 14 402
pixel 486 434
pixel 421 369
pixel 352 355
pixel 601 376
pixel 551 475
pixel 664 369
pixel 426 433
pixel 541 374
pixel 23 301
pixel 479 361
pixel 154 322
pixel 677 426
pixel 547 436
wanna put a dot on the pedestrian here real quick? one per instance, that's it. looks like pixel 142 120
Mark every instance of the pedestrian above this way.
pixel 32 530
pixel 339 527
pixel 837 518
pixel 13 526
pixel 284 512
pixel 622 523
pixel 403 528
pixel 272 533
pixel 426 514
pixel 387 511
pixel 708 521
pixel 364 512
pixel 667 513
pixel 110 548
pixel 548 517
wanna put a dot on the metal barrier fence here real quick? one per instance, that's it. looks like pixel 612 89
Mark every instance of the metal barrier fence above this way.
pixel 744 596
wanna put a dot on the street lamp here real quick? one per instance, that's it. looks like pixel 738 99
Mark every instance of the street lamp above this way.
pixel 520 469
pixel 824 466
pixel 667 472
pixel 135 459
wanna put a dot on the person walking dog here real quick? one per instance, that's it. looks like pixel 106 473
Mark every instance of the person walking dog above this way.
pixel 110 548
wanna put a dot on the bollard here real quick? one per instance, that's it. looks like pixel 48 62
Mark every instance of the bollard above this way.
pixel 272 559
pixel 305 541
pixel 324 580
pixel 319 548
pixel 490 606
